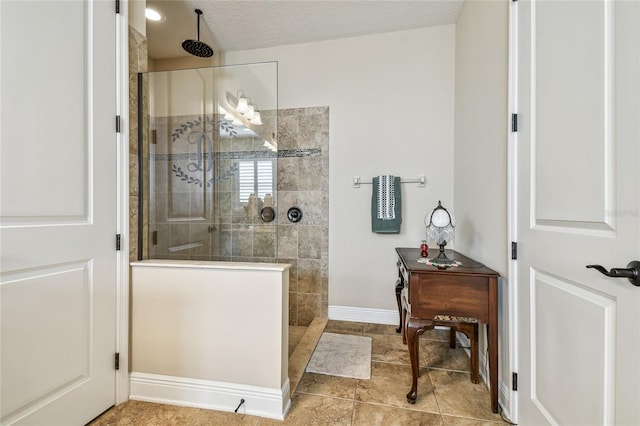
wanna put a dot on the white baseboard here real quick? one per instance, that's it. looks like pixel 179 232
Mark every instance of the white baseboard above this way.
pixel 220 396
pixel 368 315
pixel 504 399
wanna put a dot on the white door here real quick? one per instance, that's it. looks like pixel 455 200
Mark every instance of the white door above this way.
pixel 578 192
pixel 58 211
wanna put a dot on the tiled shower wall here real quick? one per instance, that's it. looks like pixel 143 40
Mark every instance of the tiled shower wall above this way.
pixel 138 63
pixel 303 181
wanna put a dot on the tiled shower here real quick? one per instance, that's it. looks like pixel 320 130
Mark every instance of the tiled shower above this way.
pixel 196 193
pixel 210 181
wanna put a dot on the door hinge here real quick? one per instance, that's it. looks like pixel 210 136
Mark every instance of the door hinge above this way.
pixel 117 361
pixel 514 381
pixel 514 250
pixel 118 242
pixel 117 124
pixel 514 122
pixel 117 6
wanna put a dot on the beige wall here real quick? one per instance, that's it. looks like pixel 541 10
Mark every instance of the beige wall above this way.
pixel 136 17
pixel 481 118
pixel 390 98
pixel 480 146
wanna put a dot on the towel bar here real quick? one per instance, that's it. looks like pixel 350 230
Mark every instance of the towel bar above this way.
pixel 421 181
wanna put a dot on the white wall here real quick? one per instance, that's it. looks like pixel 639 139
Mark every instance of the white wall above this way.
pixel 201 90
pixel 480 147
pixel 391 112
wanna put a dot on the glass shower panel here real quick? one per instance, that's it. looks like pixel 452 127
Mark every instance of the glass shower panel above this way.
pixel 212 163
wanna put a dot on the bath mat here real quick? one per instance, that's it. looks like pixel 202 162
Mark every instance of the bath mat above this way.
pixel 342 355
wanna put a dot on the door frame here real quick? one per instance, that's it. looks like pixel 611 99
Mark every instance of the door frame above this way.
pixel 512 204
pixel 122 268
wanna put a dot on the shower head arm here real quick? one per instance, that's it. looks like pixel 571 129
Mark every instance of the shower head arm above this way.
pixel 198 12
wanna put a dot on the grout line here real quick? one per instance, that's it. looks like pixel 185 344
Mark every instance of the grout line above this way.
pixel 325 396
pixel 395 407
pixel 457 416
pixel 435 395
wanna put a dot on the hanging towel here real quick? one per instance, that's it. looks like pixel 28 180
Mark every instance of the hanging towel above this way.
pixel 386 212
pixel 386 198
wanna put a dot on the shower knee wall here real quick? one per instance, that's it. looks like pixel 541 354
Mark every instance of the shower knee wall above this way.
pixel 207 334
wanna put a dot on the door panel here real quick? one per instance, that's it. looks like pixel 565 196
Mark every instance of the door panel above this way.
pixel 45 140
pixel 57 211
pixel 557 379
pixel 571 110
pixel 578 197
pixel 65 334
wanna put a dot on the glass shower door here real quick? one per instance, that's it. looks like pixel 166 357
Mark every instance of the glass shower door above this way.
pixel 212 163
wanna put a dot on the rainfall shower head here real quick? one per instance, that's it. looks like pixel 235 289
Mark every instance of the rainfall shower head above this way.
pixel 197 47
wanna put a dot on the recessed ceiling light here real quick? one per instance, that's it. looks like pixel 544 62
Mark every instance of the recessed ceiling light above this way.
pixel 152 14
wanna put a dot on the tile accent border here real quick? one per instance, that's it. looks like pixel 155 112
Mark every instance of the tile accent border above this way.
pixel 243 155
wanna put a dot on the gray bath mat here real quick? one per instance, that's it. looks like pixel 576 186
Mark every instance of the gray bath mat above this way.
pixel 342 355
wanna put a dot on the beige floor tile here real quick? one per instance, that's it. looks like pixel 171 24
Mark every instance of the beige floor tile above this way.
pixel 129 413
pixel 390 384
pixel 439 355
pixel 315 410
pixel 137 413
pixel 344 327
pixel 436 334
pixel 443 387
pixel 457 396
pixel 389 330
pixel 196 417
pixel 370 414
pixel 462 421
pixel 388 348
pixel 324 385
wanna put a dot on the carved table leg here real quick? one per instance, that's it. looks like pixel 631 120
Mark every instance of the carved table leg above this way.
pixel 414 329
pixel 399 287
pixel 413 355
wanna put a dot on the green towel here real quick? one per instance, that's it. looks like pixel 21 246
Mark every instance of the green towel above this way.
pixel 389 226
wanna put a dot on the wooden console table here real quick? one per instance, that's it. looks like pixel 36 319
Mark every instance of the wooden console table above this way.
pixel 468 290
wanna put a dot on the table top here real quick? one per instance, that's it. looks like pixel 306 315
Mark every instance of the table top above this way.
pixel 410 256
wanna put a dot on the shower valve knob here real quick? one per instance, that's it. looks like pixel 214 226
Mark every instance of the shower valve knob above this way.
pixel 294 214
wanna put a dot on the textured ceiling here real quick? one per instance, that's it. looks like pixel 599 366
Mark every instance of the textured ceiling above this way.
pixel 248 24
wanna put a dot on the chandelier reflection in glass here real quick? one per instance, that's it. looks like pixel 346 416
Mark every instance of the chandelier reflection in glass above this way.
pixel 248 109
pixel 440 228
